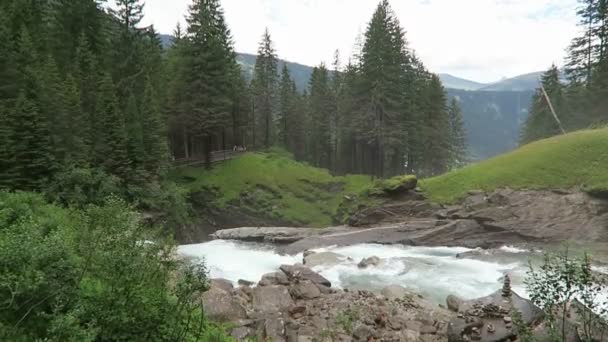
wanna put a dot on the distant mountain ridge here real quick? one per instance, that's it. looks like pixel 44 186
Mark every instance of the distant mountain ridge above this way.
pixel 453 82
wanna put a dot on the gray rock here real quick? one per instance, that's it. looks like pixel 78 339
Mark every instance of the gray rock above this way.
pixel 363 333
pixel 223 284
pixel 453 303
pixel 371 261
pixel 240 333
pixel 274 329
pixel 275 278
pixel 265 234
pixel 243 282
pixel 324 258
pixel 221 306
pixel 271 299
pixel 393 292
pixel 304 273
pixel 304 290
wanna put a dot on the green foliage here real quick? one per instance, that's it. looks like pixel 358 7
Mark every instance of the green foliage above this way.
pixel 264 85
pixel 79 187
pixel 293 191
pixel 93 274
pixel 572 160
pixel 557 284
pixel 347 319
pixel 393 185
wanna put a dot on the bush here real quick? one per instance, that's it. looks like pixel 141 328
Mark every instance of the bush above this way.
pixel 90 274
pixel 570 294
pixel 79 187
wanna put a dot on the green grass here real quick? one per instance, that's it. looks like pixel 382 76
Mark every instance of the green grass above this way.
pixel 578 159
pixel 284 188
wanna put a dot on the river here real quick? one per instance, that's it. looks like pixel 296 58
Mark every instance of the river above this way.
pixel 433 272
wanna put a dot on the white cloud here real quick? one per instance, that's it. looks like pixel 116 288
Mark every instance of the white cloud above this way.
pixel 483 40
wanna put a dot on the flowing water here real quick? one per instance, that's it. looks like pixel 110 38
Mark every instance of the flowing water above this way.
pixel 433 272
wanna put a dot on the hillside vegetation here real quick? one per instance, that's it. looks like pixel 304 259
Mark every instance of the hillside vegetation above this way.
pixel 274 185
pixel 567 161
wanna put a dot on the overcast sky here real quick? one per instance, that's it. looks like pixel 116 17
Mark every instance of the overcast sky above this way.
pixel 482 40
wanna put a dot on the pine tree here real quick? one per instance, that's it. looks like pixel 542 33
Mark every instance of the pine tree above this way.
pixel 30 146
pixel 135 139
pixel 88 80
pixel 78 147
pixel 436 129
pixel 52 105
pixel 7 148
pixel 583 50
pixel 112 152
pixel 320 120
pixel 154 134
pixel 210 59
pixel 264 88
pixel 457 141
pixel 286 107
pixel 540 123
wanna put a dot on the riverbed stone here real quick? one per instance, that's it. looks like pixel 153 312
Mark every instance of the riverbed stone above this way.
pixel 274 278
pixel 304 273
pixel 221 283
pixel 371 261
pixel 393 292
pixel 453 303
pixel 272 298
pixel 222 306
pixel 304 290
pixel 323 258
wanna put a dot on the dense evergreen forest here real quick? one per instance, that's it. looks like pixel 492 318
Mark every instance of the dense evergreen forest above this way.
pixel 582 101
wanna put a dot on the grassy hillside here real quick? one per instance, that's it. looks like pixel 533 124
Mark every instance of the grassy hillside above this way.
pixel 276 185
pixel 575 159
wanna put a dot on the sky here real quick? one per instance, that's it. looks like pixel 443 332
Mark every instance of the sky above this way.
pixel 480 40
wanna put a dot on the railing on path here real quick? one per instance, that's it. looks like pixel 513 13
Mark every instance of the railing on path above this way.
pixel 216 157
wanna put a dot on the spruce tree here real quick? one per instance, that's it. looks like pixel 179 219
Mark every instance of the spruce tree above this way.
pixel 78 147
pixel 540 123
pixel 457 142
pixel 135 140
pixel 30 146
pixel 286 107
pixel 209 58
pixel 112 151
pixel 88 80
pixel 436 129
pixel 320 120
pixel 264 87
pixel 154 134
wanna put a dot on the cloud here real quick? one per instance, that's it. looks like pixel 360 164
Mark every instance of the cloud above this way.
pixel 483 40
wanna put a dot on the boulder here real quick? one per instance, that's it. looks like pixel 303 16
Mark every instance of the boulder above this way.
pixel 304 290
pixel 221 306
pixel 371 261
pixel 323 258
pixel 453 303
pixel 274 278
pixel 363 333
pixel 304 273
pixel 274 329
pixel 243 282
pixel 271 299
pixel 264 234
pixel 221 283
pixel 393 292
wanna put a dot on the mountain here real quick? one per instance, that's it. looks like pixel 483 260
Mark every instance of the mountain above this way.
pixel 450 81
pixel 299 72
pixel 524 82
pixel 492 119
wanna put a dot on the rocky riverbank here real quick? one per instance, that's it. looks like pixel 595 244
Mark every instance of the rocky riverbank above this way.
pixel 486 220
pixel 296 304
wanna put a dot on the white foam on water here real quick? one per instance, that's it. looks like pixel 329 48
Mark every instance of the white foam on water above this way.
pixel 235 260
pixel 432 271
pixel 513 250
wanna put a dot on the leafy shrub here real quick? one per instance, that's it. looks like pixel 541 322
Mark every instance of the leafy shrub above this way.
pixel 570 294
pixel 77 186
pixel 90 274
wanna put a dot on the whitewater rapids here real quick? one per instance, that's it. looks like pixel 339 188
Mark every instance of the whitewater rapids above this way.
pixel 434 272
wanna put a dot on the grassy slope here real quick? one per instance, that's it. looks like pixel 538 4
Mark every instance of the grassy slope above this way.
pixel 575 159
pixel 308 195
